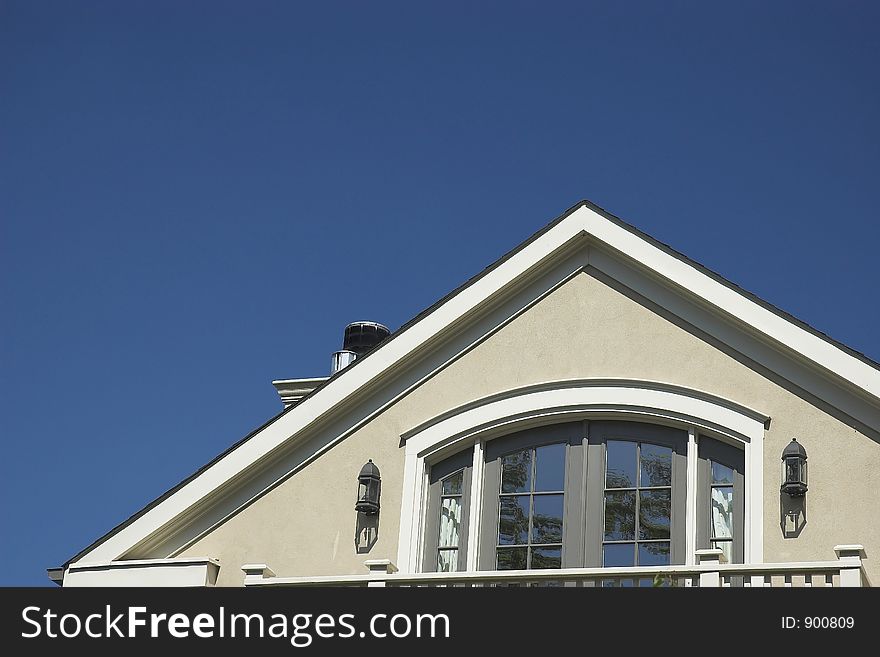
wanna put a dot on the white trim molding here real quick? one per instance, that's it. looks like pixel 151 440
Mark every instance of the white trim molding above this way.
pixel 292 390
pixel 561 401
pixel 191 571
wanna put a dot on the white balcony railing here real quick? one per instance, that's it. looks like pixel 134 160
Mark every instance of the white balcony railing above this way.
pixel 710 571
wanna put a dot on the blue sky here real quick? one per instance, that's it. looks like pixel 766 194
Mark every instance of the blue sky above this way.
pixel 196 197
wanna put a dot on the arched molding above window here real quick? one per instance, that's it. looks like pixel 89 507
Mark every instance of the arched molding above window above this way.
pixel 549 403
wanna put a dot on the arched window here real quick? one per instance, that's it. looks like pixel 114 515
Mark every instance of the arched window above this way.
pixel 586 494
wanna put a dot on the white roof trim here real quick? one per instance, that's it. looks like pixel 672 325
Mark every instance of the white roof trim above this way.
pixel 581 222
pixel 820 351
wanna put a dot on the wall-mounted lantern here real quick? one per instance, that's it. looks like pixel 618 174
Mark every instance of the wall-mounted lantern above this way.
pixel 369 483
pixel 794 469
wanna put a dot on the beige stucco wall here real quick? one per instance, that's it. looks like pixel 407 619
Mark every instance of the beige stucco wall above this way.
pixel 306 526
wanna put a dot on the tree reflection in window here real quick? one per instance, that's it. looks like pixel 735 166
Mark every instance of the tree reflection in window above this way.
pixel 450 522
pixel 530 509
pixel 721 509
pixel 638 504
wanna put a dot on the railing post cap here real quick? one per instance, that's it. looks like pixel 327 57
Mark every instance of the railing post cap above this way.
pixel 258 570
pixel 711 555
pixel 381 566
pixel 854 550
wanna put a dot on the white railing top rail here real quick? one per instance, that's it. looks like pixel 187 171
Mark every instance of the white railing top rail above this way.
pixel 709 570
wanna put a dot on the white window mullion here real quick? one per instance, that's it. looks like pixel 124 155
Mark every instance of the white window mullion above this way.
pixel 753 543
pixel 473 534
pixel 424 489
pixel 690 513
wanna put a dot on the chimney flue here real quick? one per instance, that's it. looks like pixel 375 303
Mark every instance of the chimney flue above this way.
pixel 360 338
pixel 342 359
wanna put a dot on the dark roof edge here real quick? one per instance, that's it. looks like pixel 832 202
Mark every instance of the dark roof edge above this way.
pixel 733 286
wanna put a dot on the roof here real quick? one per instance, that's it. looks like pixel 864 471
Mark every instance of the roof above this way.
pixel 584 219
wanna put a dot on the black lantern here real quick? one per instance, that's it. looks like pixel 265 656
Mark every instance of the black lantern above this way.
pixel 369 484
pixel 794 469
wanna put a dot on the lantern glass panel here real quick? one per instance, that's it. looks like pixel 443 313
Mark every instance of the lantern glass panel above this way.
pixel 373 491
pixel 792 470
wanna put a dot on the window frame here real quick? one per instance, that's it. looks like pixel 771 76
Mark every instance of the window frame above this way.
pixel 569 433
pixel 710 449
pixel 600 432
pixel 459 462
pixel 582 539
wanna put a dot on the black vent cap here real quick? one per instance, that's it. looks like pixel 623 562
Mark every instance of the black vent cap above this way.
pixel 361 337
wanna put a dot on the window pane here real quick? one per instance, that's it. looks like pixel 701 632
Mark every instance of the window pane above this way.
pixel 513 522
pixel 726 547
pixel 450 521
pixel 620 470
pixel 622 554
pixel 654 513
pixel 620 516
pixel 656 466
pixel 516 472
pixel 654 554
pixel 547 519
pixel 546 558
pixel 452 484
pixel 721 474
pixel 511 558
pixel 722 512
pixel 447 561
pixel 550 468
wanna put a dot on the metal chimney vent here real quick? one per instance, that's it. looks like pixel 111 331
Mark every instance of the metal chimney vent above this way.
pixel 360 337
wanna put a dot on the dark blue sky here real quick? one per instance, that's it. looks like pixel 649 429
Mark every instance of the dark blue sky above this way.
pixel 196 197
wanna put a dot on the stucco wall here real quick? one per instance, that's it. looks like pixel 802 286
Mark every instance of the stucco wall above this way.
pixel 306 526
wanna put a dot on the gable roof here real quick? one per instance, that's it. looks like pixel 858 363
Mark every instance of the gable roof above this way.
pixel 584 220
